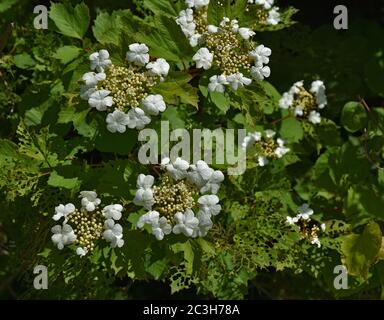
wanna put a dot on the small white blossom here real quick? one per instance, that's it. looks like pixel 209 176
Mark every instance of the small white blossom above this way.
pixel 267 4
pixel 318 88
pixel 194 39
pixel 151 218
pixel 81 251
pixel 100 100
pixel 273 16
pixel 185 21
pixel 113 211
pixel 216 83
pixel 291 220
pixel 316 241
pixel 89 200
pixel 178 170
pixel 213 184
pixel 269 133
pixel 86 91
pixel 153 104
pixel 314 117
pixel 144 194
pixel 62 235
pixel 224 22
pixel 99 60
pixel 92 78
pixel 200 174
pixel 63 211
pixel 205 224
pixel 235 26
pixel 117 121
pixel 304 211
pixel 137 118
pixel 238 80
pixel 161 228
pixel 113 233
pixel 286 100
pixel 160 67
pixel 246 33
pixel 138 54
pixel 261 54
pixel 262 161
pixel 212 29
pixel 209 204
pixel 196 3
pixel 203 58
pixel 259 72
pixel 281 150
pixel 322 226
pixel 185 223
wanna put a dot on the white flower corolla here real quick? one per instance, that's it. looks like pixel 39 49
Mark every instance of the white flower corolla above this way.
pixel 267 4
pixel 194 40
pixel 185 21
pixel 316 241
pixel 100 100
pixel 86 91
pixel 62 235
pixel 323 227
pixel 99 60
pixel 213 184
pixel 92 78
pixel 224 22
pixel 273 16
pixel 318 88
pixel 269 133
pixel 151 218
pixel 209 204
pixel 259 72
pixel 286 100
pixel 217 83
pixel 117 121
pixel 261 54
pixel 205 224
pixel 246 33
pixel 137 118
pixel 314 117
pixel 298 111
pixel 89 200
pixel 138 54
pixel 145 181
pixel 281 150
pixel 160 67
pixel 80 251
pixel 250 139
pixel 63 211
pixel 262 161
pixel 112 211
pixel 113 233
pixel 292 220
pixel 203 58
pixel 161 228
pixel 178 170
pixel 153 104
pixel 144 193
pixel 238 80
pixel 186 223
pixel 304 211
pixel 212 29
pixel 200 173
pixel 196 3
pixel 235 25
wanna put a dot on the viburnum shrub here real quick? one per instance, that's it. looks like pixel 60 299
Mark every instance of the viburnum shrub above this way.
pixel 77 197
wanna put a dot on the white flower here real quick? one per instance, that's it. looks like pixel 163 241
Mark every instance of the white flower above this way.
pixel 314 117
pixel 224 22
pixel 318 88
pixel 212 29
pixel 138 54
pixel 145 181
pixel 178 170
pixel 144 194
pixel 250 139
pixel 262 161
pixel 117 121
pixel 137 118
pixel 160 67
pixel 200 174
pixel 196 3
pixel 216 83
pixel 81 251
pixel 86 91
pixel 151 218
pixel 194 40
pixel 62 235
pixel 299 111
pixel 304 211
pixel 261 54
pixel 203 58
pixel 286 100
pixel 237 80
pixel 185 223
pixel 291 220
pixel 269 133
pixel 322 226
pixel 99 60
pixel 113 233
pixel 213 184
pixel 205 224
pixel 185 21
pixel 100 100
pixel 63 211
pixel 259 72
pixel 316 241
pixel 89 200
pixel 161 228
pixel 266 3
pixel 153 104
pixel 246 33
pixel 273 16
pixel 113 211
pixel 235 26
pixel 281 150
pixel 92 78
pixel 209 204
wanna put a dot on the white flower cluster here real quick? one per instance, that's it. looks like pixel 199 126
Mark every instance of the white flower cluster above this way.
pixel 183 203
pixel 126 88
pixel 272 16
pixel 307 227
pixel 86 225
pixel 304 104
pixel 223 47
pixel 266 147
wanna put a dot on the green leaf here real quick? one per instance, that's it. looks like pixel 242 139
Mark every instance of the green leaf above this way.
pixel 189 255
pixel 220 101
pixel 67 53
pixel 56 180
pixel 165 7
pixel 7 4
pixel 374 74
pixel 360 250
pixel 24 61
pixel 353 116
pixel 291 130
pixel 71 22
